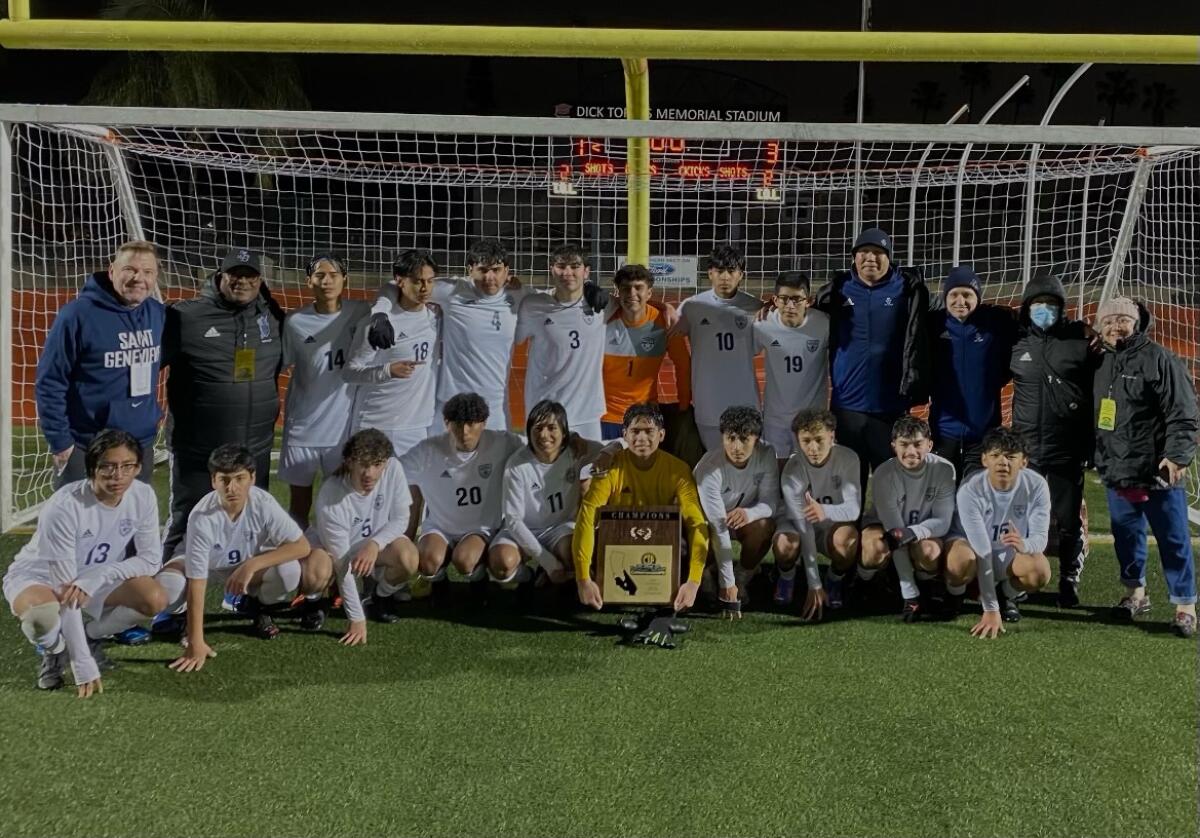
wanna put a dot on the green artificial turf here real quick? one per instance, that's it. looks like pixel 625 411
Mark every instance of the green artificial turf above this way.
pixel 506 722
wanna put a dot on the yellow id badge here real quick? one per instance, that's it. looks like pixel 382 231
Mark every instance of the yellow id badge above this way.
pixel 1108 415
pixel 243 365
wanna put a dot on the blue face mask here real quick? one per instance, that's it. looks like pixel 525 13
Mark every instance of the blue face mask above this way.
pixel 1043 315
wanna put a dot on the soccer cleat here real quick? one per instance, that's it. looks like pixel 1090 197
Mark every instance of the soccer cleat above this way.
pixel 312 614
pixel 1184 624
pixel 103 661
pixel 403 593
pixel 235 603
pixel 1130 607
pixel 384 609
pixel 785 590
pixel 1008 609
pixel 911 611
pixel 1068 593
pixel 51 668
pixel 264 626
pixel 835 590
pixel 169 625
pixel 132 636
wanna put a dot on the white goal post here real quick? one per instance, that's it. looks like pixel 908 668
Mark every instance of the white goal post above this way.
pixel 1112 210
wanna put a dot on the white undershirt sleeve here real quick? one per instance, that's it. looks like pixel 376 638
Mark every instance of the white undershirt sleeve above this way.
pixel 335 537
pixel 389 295
pixel 708 486
pixel 975 527
pixel 1039 519
pixel 363 366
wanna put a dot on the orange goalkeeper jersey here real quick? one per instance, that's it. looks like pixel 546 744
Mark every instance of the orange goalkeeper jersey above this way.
pixel 632 358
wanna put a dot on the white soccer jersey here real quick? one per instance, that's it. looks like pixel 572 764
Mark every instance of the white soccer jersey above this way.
pixel 566 356
pixel 346 519
pixel 797 365
pixel 541 495
pixel 985 514
pixel 922 500
pixel 723 488
pixel 834 485
pixel 215 543
pixel 319 400
pixel 463 492
pixel 722 340
pixel 389 403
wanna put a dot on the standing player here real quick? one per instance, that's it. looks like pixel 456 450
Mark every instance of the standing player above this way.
pixel 912 508
pixel 238 536
pixel 317 341
pixel 822 500
pixel 541 498
pixel 739 493
pixel 79 563
pixel 1000 533
pixel 458 478
pixel 718 325
pixel 795 344
pixel 396 390
pixel 566 350
pixel 636 339
pixel 362 515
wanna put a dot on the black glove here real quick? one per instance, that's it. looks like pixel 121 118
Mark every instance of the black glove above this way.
pixel 595 296
pixel 731 609
pixel 380 333
pixel 899 537
pixel 660 632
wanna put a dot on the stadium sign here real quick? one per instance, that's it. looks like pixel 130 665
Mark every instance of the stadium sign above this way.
pixel 671 271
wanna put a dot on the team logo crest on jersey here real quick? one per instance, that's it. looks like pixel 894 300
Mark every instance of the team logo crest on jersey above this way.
pixel 496 321
pixel 485 471
pixel 758 479
pixel 929 493
pixel 588 317
pixel 812 345
pixel 740 322
pixel 379 502
pixel 837 481
pixel 887 301
pixel 1018 510
pixel 264 328
pixel 647 344
pixel 125 527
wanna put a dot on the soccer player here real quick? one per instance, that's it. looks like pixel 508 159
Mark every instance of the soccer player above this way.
pixel 739 493
pixel 396 392
pixel 458 479
pixel 317 340
pixel 794 341
pixel 239 537
pixel 541 498
pixel 94 553
pixel 362 516
pixel 718 325
pixel 636 339
pixel 641 475
pixel 999 533
pixel 822 499
pixel 566 349
pixel 912 508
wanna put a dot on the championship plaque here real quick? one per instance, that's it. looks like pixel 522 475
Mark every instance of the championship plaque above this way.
pixel 637 554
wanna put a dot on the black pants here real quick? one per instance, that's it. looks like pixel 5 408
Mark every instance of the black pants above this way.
pixel 1066 500
pixel 869 435
pixel 966 456
pixel 190 482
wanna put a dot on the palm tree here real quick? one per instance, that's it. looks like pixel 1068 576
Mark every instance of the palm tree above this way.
pixel 1055 75
pixel 1024 96
pixel 1116 89
pixel 928 96
pixel 1159 98
pixel 974 76
pixel 192 79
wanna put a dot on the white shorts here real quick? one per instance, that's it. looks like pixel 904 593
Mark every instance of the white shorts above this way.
pixel 821 531
pixel 710 436
pixel 288 574
pixel 1001 559
pixel 548 537
pixel 298 466
pixel 452 539
pixel 21 577
pixel 781 438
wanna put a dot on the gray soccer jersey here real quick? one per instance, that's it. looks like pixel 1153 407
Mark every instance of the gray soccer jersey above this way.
pixel 834 485
pixel 566 355
pixel 388 403
pixel 722 341
pixel 463 492
pixel 319 399
pixel 723 488
pixel 985 514
pixel 216 543
pixel 797 365
pixel 921 500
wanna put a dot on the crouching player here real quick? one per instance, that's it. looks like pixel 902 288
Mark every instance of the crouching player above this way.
pixel 1000 533
pixel 821 504
pixel 458 479
pixel 541 496
pixel 912 508
pixel 80 562
pixel 240 537
pixel 362 516
pixel 641 475
pixel 739 493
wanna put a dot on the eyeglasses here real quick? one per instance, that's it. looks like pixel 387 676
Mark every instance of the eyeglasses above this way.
pixel 112 469
pixel 789 299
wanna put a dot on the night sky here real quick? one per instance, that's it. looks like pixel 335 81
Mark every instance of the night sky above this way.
pixel 803 91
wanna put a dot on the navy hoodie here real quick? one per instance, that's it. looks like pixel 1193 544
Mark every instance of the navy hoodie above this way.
pixel 83 375
pixel 970 362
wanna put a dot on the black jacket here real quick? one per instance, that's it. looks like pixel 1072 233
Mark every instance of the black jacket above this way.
pixel 1156 416
pixel 916 369
pixel 1052 374
pixel 207 405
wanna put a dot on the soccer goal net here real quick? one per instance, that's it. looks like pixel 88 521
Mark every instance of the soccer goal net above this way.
pixel 1109 211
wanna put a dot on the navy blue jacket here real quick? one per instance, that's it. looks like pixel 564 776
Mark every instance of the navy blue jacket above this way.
pixel 83 375
pixel 970 368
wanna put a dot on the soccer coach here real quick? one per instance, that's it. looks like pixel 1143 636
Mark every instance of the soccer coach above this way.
pixel 99 367
pixel 224 348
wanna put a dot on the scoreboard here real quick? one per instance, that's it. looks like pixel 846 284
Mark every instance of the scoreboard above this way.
pixel 724 165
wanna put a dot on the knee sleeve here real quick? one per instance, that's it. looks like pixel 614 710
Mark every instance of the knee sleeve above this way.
pixel 41 625
pixel 175 585
pixel 278 583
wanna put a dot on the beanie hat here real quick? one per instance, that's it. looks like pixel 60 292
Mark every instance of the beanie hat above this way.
pixel 875 236
pixel 962 276
pixel 1118 305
